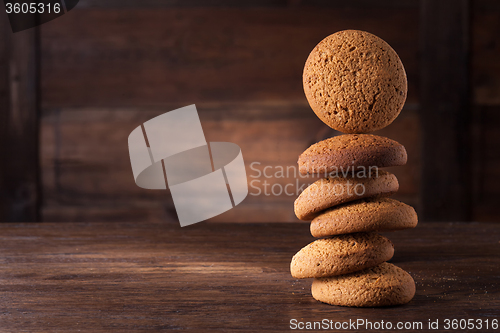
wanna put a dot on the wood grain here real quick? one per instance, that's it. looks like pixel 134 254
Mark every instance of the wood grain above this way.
pixel 485 47
pixel 87 174
pixel 97 277
pixel 114 64
pixel 485 80
pixel 486 162
pixel 108 67
pixel 445 190
pixel 102 57
pixel 246 3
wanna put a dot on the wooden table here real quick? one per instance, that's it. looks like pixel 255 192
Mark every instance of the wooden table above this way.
pixel 222 277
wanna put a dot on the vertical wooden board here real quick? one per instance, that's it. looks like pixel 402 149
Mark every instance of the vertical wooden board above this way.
pixel 19 188
pixel 485 120
pixel 485 49
pixel 486 163
pixel 445 190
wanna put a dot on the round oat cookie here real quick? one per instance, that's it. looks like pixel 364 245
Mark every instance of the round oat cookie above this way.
pixel 351 151
pixel 372 214
pixel 328 192
pixel 341 255
pixel 382 285
pixel 355 82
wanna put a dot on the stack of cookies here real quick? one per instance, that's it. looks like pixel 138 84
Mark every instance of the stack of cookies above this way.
pixel 356 84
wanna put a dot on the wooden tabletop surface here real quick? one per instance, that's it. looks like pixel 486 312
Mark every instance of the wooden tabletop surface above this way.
pixel 103 277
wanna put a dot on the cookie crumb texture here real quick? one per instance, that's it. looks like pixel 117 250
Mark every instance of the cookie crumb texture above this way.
pixel 329 192
pixel 355 82
pixel 382 285
pixel 341 255
pixel 373 214
pixel 350 151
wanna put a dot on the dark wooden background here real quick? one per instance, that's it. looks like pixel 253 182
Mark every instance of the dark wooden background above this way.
pixel 73 89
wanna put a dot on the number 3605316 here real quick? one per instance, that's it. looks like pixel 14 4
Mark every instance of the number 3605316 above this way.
pixel 32 8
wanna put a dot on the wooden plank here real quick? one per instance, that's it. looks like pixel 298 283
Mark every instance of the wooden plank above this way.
pixel 102 277
pixel 19 188
pixel 94 174
pixel 486 163
pixel 238 65
pixel 92 177
pixel 445 190
pixel 151 57
pixel 246 3
pixel 485 74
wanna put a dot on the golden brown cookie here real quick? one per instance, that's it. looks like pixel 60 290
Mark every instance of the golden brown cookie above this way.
pixel 328 192
pixel 351 151
pixel 355 82
pixel 341 255
pixel 382 285
pixel 372 214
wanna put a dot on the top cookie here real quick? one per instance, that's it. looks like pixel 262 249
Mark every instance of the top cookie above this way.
pixel 355 82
